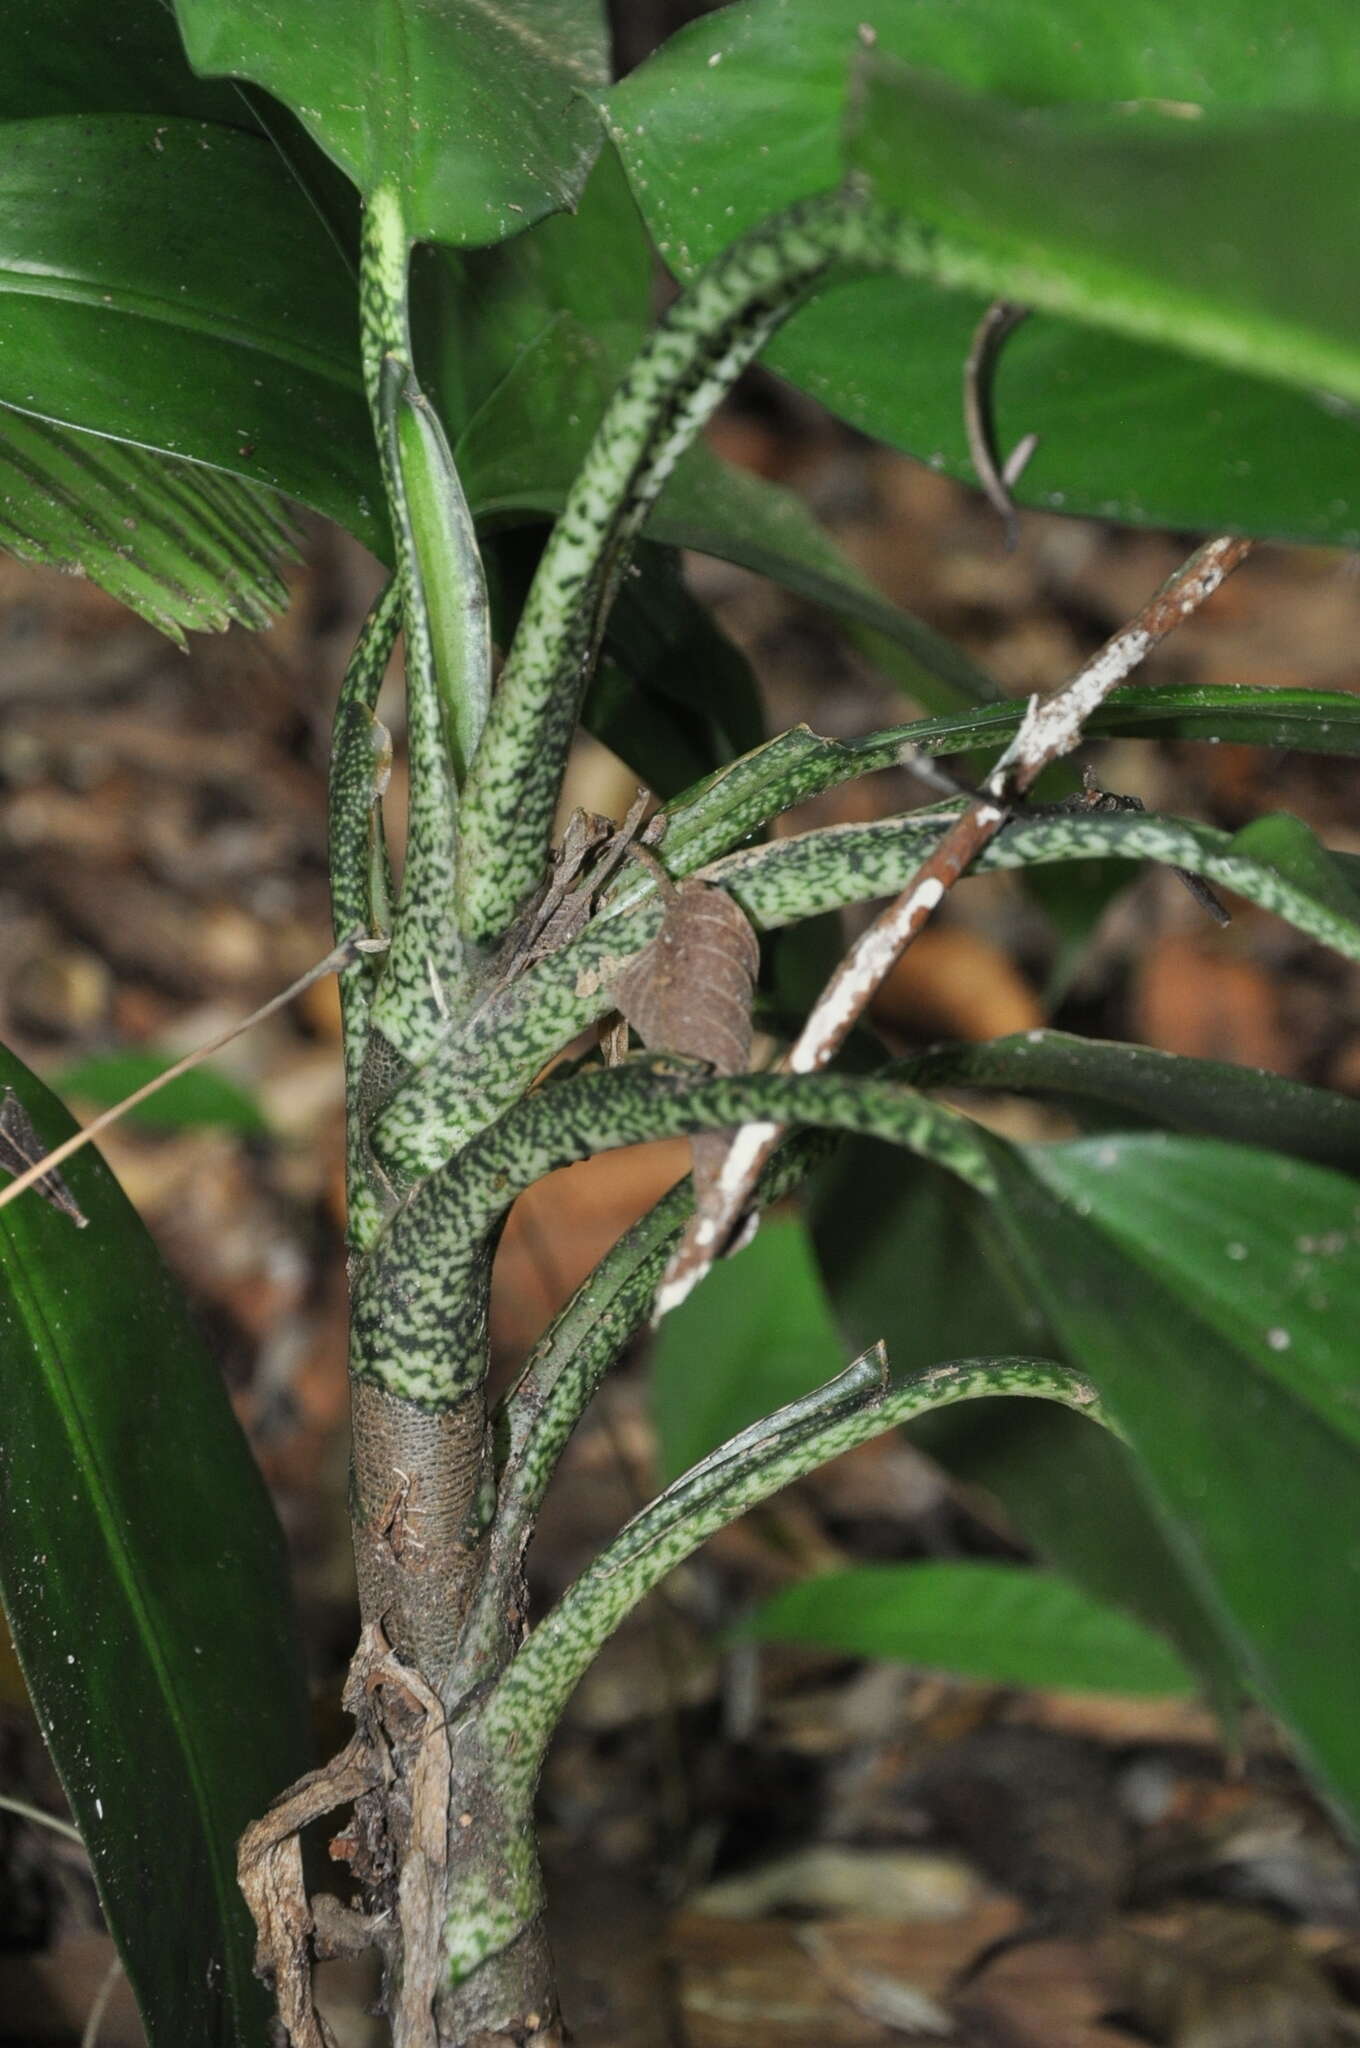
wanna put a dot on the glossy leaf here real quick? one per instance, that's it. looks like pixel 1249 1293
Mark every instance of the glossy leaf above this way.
pixel 1206 1096
pixel 997 1622
pixel 1224 1352
pixel 742 113
pixel 189 549
pixel 474 111
pixel 144 262
pixel 1262 1247
pixel 916 1258
pixel 145 1582
pixel 202 1096
pixel 756 1335
pixel 1182 223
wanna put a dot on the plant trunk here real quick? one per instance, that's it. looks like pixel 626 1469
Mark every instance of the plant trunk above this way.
pixel 449 1874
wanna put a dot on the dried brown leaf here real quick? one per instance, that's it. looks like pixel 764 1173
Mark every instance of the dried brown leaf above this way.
pixel 690 992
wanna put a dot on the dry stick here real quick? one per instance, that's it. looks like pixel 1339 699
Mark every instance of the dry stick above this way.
pixel 11 1804
pixel 90 2037
pixel 997 478
pixel 343 955
pixel 1050 728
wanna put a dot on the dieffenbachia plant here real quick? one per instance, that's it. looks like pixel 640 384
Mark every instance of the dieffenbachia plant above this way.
pixel 402 275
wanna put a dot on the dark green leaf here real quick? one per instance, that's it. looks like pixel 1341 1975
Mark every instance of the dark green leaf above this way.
pixel 188 548
pixel 712 147
pixel 997 1622
pixel 145 263
pixel 756 1335
pixel 665 639
pixel 915 1258
pixel 1208 1096
pixel 146 1585
pixel 475 112
pixel 79 57
pixel 1173 1272
pixel 1310 721
pixel 202 1096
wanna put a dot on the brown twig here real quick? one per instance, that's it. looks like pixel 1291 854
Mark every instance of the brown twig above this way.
pixel 1051 727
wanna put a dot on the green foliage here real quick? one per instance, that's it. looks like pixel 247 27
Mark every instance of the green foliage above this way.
pixel 482 123
pixel 1241 1420
pixel 121 314
pixel 992 1621
pixel 745 111
pixel 1174 196
pixel 190 549
pixel 757 1334
pixel 202 1096
pixel 145 1583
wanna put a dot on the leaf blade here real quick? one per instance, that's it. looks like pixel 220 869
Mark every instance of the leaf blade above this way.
pixel 482 121
pixel 145 1585
pixel 1005 1624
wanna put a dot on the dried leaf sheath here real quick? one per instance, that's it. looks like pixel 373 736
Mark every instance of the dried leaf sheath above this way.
pixel 690 991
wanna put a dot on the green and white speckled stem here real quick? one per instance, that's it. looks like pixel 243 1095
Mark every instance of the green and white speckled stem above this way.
pixel 523 1709
pixel 557 1384
pixel 693 357
pixel 360 759
pixel 448 651
pixel 420 1302
pixel 510 1038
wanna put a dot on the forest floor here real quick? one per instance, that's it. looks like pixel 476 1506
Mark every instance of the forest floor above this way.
pixel 742 1847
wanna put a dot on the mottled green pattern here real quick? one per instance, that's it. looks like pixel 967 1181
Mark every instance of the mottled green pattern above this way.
pixel 420 1304
pixel 527 1703
pixel 504 1044
pixel 693 357
pixel 565 1369
pixel 356 854
pixel 796 878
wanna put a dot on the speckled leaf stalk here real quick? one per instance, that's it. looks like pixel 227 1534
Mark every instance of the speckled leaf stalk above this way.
pixel 694 356
pixel 510 1037
pixel 445 617
pixel 515 1725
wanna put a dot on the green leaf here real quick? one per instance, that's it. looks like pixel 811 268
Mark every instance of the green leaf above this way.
pixel 1261 1247
pixel 79 57
pixel 144 263
pixel 998 1622
pixel 815 871
pixel 474 111
pixel 146 1586
pixel 1207 1096
pixel 1187 224
pixel 202 1096
pixel 1311 721
pixel 676 697
pixel 757 1334
pixel 915 1258
pixel 1175 1271
pixel 187 548
pixel 713 146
